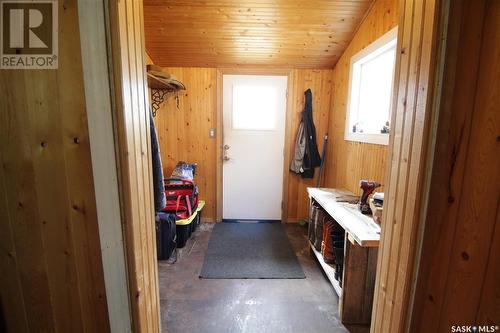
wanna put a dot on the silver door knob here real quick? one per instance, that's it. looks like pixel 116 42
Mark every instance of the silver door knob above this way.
pixel 226 158
pixel 226 147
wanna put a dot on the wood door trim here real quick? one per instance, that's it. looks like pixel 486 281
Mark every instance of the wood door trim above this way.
pixel 219 136
pixel 132 136
pixel 457 256
pixel 406 174
pixel 218 149
pixel 98 89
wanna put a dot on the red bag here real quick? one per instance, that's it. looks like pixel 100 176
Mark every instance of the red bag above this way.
pixel 182 197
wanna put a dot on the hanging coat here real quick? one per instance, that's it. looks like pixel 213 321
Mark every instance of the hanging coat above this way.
pixel 306 156
pixel 300 149
pixel 160 200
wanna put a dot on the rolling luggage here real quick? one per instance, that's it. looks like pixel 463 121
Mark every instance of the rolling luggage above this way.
pixel 165 235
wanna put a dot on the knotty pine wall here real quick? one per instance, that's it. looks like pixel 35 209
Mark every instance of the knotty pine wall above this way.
pixel 183 131
pixel 320 83
pixel 51 273
pixel 459 267
pixel 349 161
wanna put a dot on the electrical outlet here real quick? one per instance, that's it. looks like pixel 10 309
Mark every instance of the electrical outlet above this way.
pixel 211 133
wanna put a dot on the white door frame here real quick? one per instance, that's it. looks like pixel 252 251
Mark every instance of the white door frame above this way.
pixel 219 135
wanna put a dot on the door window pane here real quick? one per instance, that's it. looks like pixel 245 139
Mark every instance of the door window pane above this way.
pixel 254 107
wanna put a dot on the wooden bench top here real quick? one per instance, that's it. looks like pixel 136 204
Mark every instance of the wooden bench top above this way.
pixel 362 228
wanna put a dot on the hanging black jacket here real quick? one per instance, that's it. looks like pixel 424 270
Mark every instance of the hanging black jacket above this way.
pixel 306 156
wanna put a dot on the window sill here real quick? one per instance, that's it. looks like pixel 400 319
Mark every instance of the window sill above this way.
pixel 376 139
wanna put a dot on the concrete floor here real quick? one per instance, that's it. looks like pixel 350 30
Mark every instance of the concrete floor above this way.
pixel 192 305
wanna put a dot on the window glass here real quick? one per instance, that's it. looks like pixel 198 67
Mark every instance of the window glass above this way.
pixel 374 98
pixel 370 95
pixel 254 107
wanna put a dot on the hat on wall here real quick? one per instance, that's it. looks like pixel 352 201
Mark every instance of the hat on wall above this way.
pixel 160 74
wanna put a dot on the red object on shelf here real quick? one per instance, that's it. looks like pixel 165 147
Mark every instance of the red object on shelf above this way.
pixel 182 197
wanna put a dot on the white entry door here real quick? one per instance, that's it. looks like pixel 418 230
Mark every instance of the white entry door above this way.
pixel 254 137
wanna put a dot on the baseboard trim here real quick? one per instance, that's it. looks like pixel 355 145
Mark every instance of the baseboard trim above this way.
pixel 249 221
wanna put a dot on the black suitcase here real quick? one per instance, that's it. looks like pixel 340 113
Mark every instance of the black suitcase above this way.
pixel 165 235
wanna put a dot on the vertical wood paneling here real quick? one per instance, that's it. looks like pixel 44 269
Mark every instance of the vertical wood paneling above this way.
pixel 10 270
pixel 459 274
pixel 134 145
pixel 478 212
pixel 183 131
pixel 488 310
pixel 406 173
pixel 320 83
pixel 350 161
pixel 50 267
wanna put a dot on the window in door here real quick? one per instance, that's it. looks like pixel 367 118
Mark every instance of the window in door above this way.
pixel 254 107
pixel 370 91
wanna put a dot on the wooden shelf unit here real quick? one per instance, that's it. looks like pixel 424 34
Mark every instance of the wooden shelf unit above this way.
pixel 155 82
pixel 362 236
pixel 160 88
pixel 329 271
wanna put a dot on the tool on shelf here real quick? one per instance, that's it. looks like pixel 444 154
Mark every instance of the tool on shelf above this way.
pixel 377 206
pixel 368 186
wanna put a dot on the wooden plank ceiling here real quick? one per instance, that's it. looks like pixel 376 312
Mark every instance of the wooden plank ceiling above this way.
pixel 225 33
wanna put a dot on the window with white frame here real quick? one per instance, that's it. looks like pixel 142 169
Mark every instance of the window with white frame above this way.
pixel 370 91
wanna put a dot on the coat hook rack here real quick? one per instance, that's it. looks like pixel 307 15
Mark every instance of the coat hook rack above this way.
pixel 160 88
pixel 157 97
